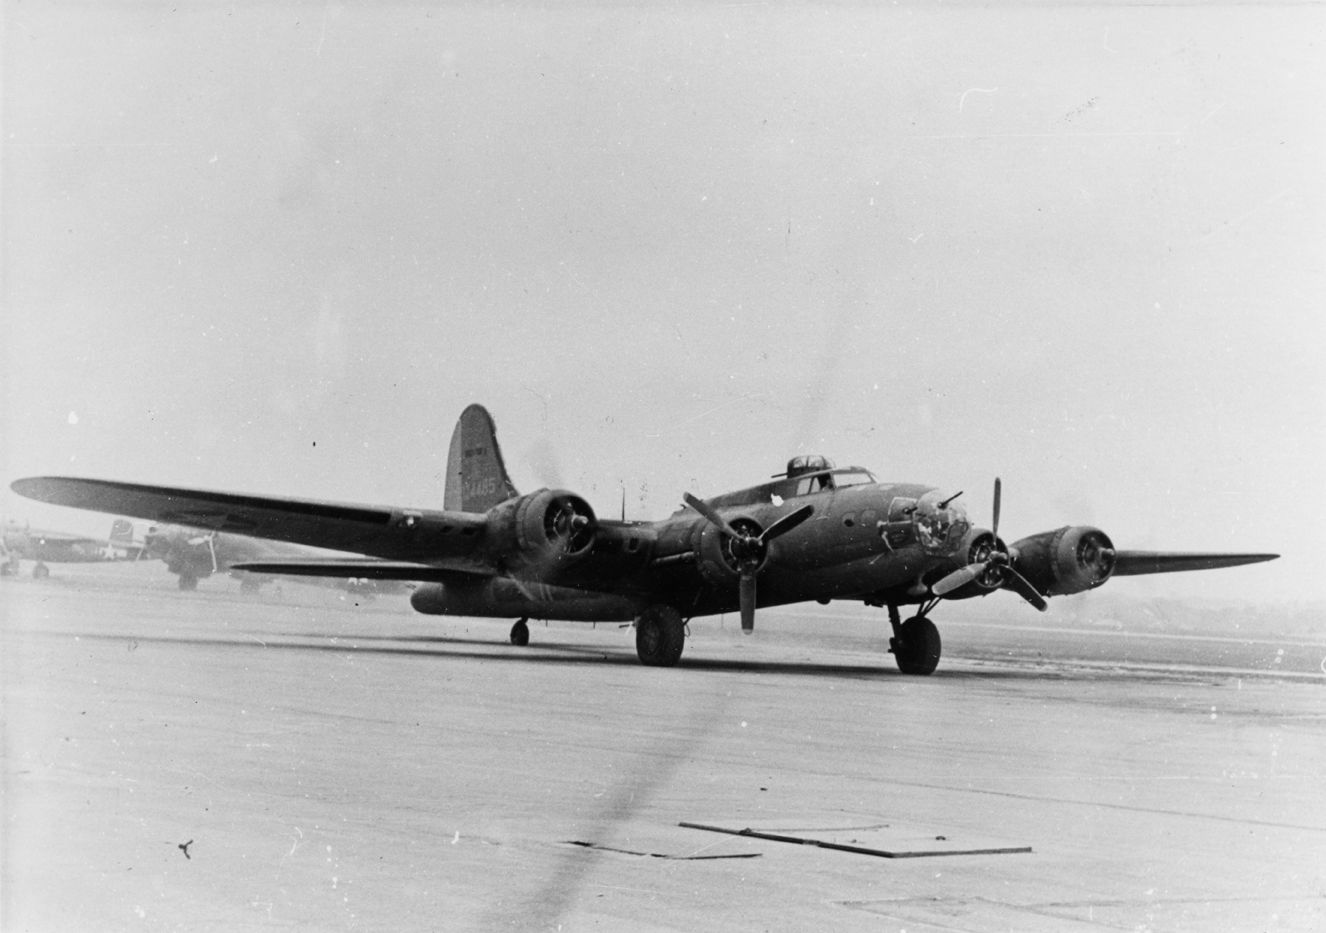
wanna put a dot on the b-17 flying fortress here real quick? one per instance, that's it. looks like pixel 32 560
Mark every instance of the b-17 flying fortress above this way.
pixel 813 532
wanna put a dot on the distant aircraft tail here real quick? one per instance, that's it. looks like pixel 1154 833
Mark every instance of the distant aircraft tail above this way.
pixel 476 476
pixel 122 531
pixel 121 544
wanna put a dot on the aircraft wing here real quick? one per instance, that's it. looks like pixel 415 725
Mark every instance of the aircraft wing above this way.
pixel 437 537
pixel 60 537
pixel 1134 563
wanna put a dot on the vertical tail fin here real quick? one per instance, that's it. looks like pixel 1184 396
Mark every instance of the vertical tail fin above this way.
pixel 121 544
pixel 122 531
pixel 476 476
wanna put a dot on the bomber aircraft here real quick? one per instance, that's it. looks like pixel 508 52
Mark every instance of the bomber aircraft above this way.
pixel 195 553
pixel 23 542
pixel 814 532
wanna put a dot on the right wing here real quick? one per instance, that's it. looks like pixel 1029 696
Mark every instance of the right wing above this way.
pixel 436 538
pixel 1135 563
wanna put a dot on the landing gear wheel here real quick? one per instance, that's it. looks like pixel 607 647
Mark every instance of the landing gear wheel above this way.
pixel 916 647
pixel 41 571
pixel 520 634
pixel 660 635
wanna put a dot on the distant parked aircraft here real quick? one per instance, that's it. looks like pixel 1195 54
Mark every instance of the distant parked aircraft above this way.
pixel 193 553
pixel 23 542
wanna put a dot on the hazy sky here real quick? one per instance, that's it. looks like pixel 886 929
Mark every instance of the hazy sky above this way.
pixel 278 248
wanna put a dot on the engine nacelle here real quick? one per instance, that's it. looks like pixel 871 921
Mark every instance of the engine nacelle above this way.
pixel 544 529
pixel 720 561
pixel 977 546
pixel 1059 563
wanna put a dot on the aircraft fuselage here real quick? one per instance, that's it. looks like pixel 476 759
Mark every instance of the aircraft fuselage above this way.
pixel 862 539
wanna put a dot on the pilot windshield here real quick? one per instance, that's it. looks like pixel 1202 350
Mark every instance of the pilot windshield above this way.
pixel 939 527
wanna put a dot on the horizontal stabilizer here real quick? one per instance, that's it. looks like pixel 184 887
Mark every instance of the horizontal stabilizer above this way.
pixel 355 568
pixel 1133 563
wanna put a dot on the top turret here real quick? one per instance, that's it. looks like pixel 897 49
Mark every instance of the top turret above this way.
pixel 807 463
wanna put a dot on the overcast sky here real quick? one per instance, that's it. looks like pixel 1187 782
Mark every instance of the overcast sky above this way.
pixel 277 249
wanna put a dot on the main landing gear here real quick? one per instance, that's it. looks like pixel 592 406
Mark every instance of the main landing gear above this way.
pixel 915 643
pixel 660 634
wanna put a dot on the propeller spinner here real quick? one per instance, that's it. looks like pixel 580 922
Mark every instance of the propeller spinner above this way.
pixel 749 548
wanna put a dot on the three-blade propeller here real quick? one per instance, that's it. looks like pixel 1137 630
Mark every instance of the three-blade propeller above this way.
pixel 210 541
pixel 749 550
pixel 998 559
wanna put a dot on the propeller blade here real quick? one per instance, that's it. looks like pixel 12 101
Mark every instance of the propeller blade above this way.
pixel 747 596
pixel 1022 586
pixel 714 518
pixel 958 578
pixel 787 523
pixel 998 493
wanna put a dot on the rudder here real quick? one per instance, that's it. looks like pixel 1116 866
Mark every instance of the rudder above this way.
pixel 476 476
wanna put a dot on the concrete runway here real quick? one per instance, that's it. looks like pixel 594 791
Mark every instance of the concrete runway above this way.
pixel 208 761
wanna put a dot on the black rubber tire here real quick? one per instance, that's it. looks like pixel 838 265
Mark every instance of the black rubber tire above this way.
pixel 41 572
pixel 917 647
pixel 520 634
pixel 660 635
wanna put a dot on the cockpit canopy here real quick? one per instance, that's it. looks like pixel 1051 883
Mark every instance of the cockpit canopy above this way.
pixel 806 474
pixel 814 472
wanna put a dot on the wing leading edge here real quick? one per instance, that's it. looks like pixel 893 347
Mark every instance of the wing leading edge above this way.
pixel 428 536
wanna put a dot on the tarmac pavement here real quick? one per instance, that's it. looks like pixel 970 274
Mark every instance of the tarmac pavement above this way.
pixel 209 761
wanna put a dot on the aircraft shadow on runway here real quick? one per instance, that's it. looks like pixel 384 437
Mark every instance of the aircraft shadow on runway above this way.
pixel 453 648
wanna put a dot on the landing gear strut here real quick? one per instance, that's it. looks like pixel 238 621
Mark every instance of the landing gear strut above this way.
pixel 915 643
pixel 520 633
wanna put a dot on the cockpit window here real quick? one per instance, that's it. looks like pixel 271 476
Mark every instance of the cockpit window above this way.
pixel 940 528
pixel 852 478
pixel 814 484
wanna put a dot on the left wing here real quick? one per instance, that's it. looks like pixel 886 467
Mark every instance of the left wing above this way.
pixel 438 538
